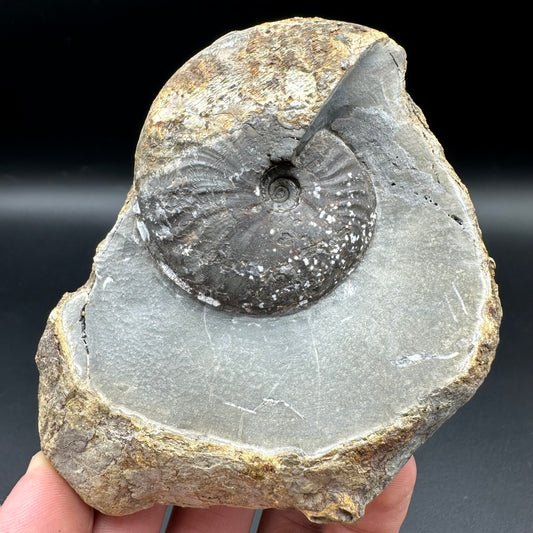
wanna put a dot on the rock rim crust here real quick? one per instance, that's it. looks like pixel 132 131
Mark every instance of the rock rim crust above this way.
pixel 120 463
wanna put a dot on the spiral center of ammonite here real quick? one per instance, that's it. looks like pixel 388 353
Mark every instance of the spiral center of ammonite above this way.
pixel 281 187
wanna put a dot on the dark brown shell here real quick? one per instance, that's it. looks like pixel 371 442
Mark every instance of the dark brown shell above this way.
pixel 249 234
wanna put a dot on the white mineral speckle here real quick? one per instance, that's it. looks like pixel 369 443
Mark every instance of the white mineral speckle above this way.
pixel 143 231
pixel 208 300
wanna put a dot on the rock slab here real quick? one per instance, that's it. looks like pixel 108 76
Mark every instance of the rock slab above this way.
pixel 150 393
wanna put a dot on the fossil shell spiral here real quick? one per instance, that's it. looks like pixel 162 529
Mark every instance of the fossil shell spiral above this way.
pixel 246 198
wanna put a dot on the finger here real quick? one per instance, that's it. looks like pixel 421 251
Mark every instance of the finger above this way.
pixel 146 521
pixel 42 501
pixel 286 521
pixel 386 513
pixel 213 520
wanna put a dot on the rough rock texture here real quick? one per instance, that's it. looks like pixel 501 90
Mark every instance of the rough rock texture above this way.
pixel 149 395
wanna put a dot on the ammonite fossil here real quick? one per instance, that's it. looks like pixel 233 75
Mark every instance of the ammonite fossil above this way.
pixel 261 216
pixel 293 298
pixel 248 233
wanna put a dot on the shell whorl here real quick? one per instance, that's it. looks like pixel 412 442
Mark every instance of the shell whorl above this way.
pixel 246 198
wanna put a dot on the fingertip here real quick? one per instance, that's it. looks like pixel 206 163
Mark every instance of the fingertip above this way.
pixel 39 460
pixel 386 513
pixel 408 472
pixel 411 465
pixel 401 487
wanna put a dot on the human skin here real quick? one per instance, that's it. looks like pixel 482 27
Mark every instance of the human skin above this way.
pixel 43 502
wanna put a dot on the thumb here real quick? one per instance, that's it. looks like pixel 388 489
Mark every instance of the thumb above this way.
pixel 42 501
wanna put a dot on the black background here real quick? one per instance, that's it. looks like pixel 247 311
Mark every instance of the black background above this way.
pixel 76 81
pixel 78 76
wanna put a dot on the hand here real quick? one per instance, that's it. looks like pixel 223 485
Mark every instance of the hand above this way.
pixel 42 502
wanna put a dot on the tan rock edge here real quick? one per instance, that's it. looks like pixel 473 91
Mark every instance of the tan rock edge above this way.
pixel 120 462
